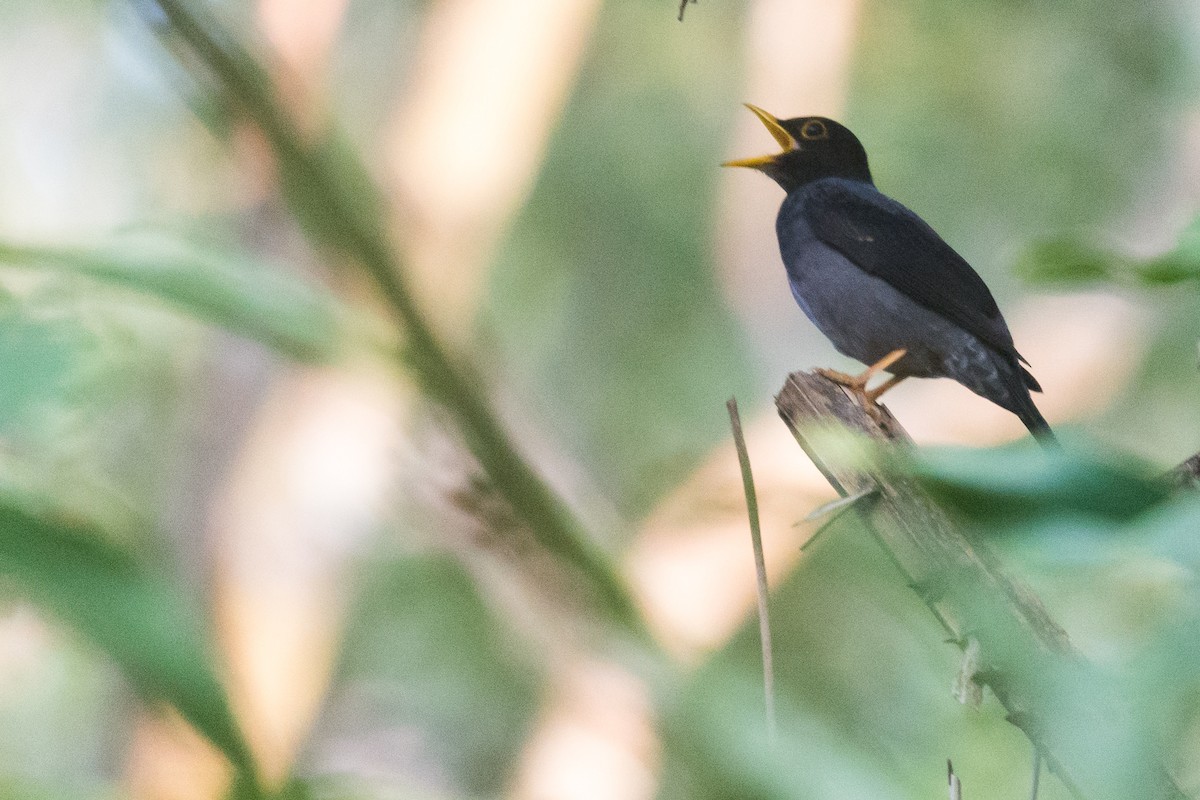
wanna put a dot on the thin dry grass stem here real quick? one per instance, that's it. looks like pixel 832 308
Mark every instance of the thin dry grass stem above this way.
pixel 760 567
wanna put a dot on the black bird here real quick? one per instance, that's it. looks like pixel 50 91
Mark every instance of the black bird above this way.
pixel 878 281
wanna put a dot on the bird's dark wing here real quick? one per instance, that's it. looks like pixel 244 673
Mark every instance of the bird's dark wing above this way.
pixel 889 241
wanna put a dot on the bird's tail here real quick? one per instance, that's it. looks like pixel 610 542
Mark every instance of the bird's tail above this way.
pixel 1036 423
pixel 1000 378
pixel 1022 405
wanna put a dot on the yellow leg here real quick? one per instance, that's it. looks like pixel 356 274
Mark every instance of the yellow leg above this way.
pixel 874 394
pixel 858 383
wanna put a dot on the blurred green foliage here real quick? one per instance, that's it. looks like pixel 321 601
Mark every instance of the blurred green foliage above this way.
pixel 1156 411
pixel 864 676
pixel 1016 483
pixel 1019 119
pixel 141 620
pixel 424 647
pixel 247 299
pixel 64 702
pixel 863 669
pixel 1119 555
pixel 1074 262
pixel 88 391
pixel 604 297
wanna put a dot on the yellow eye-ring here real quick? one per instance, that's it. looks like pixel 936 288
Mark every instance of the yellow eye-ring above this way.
pixel 814 129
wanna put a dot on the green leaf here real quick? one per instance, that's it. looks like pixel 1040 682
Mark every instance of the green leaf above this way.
pixel 1069 261
pixel 1170 533
pixel 71 568
pixel 863 675
pixel 1017 120
pixel 1024 482
pixel 1128 593
pixel 717 746
pixel 249 299
pixel 38 358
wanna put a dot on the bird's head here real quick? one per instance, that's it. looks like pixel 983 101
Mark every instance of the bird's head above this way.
pixel 813 148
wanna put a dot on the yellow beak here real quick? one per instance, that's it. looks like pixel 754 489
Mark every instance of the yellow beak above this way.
pixel 780 134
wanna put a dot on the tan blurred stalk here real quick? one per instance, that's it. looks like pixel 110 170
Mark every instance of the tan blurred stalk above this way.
pixel 490 82
pixel 798 57
pixel 692 566
pixel 309 488
pixel 274 592
pixel 170 761
pixel 595 739
pixel 301 34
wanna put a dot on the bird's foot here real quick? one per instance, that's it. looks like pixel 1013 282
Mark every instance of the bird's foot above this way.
pixel 873 394
pixel 858 383
pixel 873 410
pixel 852 382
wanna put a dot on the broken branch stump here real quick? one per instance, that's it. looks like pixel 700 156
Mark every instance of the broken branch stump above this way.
pixel 1023 655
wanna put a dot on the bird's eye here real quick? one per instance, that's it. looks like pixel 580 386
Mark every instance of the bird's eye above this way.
pixel 814 129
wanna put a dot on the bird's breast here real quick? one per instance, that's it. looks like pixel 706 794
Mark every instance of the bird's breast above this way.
pixel 863 316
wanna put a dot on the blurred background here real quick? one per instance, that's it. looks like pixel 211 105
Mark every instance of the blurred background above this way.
pixel 186 370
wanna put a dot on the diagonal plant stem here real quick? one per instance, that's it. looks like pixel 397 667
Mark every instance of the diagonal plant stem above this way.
pixel 333 198
pixel 760 567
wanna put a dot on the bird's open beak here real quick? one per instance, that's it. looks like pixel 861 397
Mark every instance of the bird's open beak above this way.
pixel 785 139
